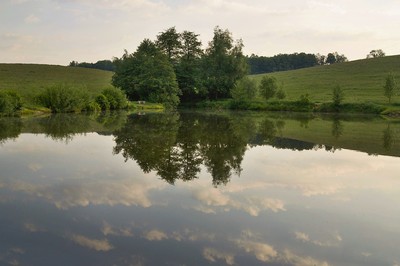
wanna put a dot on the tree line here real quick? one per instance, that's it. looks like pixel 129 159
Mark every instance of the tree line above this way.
pixel 107 65
pixel 283 62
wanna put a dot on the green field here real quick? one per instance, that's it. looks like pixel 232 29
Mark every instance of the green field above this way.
pixel 361 80
pixel 29 79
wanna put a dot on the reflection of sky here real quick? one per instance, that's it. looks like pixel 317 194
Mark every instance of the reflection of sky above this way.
pixel 81 204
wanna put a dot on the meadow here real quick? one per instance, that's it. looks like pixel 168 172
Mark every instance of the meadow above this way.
pixel 362 81
pixel 29 79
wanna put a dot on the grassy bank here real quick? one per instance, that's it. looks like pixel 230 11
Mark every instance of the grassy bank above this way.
pixel 362 81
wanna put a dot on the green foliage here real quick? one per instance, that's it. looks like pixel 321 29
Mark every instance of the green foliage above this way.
pixel 390 87
pixel 103 102
pixel 268 87
pixel 223 64
pixel 245 89
pixel 376 53
pixel 116 98
pixel 10 102
pixel 147 75
pixel 337 95
pixel 280 94
pixel 63 99
pixel 93 107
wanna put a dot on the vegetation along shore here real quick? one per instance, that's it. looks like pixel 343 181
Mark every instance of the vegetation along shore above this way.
pixel 175 71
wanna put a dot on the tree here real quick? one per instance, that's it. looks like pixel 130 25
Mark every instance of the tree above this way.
pixel 268 87
pixel 376 53
pixel 337 95
pixel 223 64
pixel 245 89
pixel 334 57
pixel 169 43
pixel 188 70
pixel 330 58
pixel 390 87
pixel 147 75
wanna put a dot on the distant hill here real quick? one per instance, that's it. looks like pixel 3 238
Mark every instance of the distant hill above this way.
pixel 361 80
pixel 29 79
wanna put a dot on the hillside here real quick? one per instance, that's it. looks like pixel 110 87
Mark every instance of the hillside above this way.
pixel 361 80
pixel 28 79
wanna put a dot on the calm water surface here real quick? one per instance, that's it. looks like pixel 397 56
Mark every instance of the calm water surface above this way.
pixel 199 189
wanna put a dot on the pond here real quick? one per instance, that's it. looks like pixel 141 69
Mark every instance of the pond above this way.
pixel 199 188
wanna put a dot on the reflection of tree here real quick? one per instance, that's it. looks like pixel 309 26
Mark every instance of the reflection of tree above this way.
pixel 64 126
pixel 10 128
pixel 337 128
pixel 150 140
pixel 175 146
pixel 388 138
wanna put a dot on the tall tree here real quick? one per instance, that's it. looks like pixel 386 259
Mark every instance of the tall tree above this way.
pixel 223 64
pixel 390 87
pixel 376 53
pixel 169 43
pixel 147 75
pixel 188 69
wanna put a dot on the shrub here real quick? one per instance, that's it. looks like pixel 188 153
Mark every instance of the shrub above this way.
pixel 10 102
pixel 268 87
pixel 103 102
pixel 63 99
pixel 337 95
pixel 116 98
pixel 245 89
pixel 280 94
pixel 92 106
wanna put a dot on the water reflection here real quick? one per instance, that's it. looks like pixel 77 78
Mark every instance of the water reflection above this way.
pixel 94 198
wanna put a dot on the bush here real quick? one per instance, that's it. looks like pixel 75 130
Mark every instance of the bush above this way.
pixel 103 102
pixel 10 102
pixel 337 95
pixel 268 87
pixel 116 98
pixel 64 99
pixel 92 107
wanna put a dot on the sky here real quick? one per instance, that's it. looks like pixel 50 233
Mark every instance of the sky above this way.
pixel 60 31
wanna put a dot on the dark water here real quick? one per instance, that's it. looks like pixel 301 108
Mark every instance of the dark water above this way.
pixel 199 189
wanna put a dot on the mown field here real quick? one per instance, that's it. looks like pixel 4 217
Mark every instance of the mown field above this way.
pixel 29 79
pixel 361 80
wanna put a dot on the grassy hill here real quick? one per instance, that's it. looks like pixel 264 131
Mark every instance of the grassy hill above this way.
pixel 361 80
pixel 29 79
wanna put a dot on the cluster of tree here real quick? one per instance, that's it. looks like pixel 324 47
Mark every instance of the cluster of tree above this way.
pixel 376 53
pixel 101 64
pixel 175 68
pixel 283 62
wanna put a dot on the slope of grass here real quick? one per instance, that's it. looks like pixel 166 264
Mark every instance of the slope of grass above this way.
pixel 361 80
pixel 29 79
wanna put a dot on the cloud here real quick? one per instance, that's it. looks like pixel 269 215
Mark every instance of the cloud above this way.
pixel 213 199
pixel 31 19
pixel 335 240
pixel 214 255
pixel 32 228
pixel 95 244
pixel 262 251
pixel 155 235
pixel 109 230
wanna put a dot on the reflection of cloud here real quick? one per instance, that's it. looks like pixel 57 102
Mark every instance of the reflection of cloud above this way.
pixel 213 255
pixel 253 205
pixel 191 235
pixel 109 230
pixel 329 243
pixel 296 260
pixel 32 228
pixel 266 253
pixel 76 192
pixel 34 167
pixel 98 245
pixel 261 251
pixel 155 235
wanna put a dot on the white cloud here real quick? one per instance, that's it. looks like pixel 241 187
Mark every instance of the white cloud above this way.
pixel 31 19
pixel 262 251
pixel 214 255
pixel 109 230
pixel 95 244
pixel 334 241
pixel 155 235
